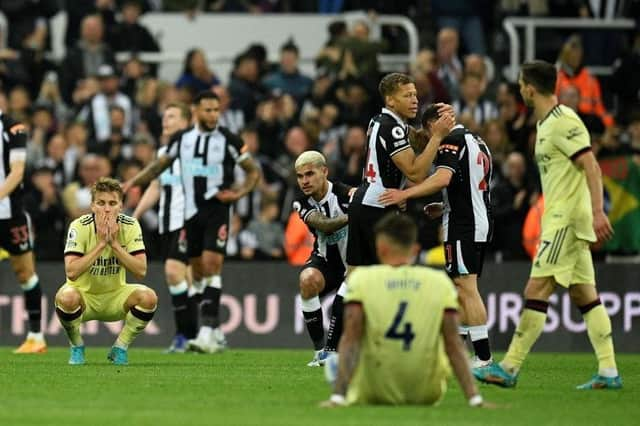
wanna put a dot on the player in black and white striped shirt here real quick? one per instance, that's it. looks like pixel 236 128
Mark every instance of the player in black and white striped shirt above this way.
pixel 16 235
pixel 390 159
pixel 207 153
pixel 167 188
pixel 323 208
pixel 463 174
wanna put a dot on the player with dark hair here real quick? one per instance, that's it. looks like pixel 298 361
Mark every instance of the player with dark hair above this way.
pixel 390 160
pixel 101 247
pixel 323 208
pixel 168 190
pixel 573 218
pixel 16 235
pixel 401 329
pixel 208 154
pixel 463 174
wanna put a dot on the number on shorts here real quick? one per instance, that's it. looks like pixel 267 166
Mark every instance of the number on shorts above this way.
pixel 397 331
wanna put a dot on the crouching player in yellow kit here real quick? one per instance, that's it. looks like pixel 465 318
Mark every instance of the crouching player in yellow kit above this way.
pixel 100 248
pixel 401 329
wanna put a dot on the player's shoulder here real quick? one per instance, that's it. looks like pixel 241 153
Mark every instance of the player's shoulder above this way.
pixel 302 206
pixel 10 125
pixel 342 191
pixel 85 220
pixel 126 221
pixel 457 135
pixel 391 127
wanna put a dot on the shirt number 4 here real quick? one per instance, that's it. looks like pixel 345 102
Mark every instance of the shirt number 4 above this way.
pixel 401 331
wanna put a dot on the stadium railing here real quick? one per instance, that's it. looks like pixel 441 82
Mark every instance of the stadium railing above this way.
pixel 530 25
pixel 223 36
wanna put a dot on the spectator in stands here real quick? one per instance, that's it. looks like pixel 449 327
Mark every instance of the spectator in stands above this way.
pixel 352 157
pixel 129 35
pixel 363 52
pixel 268 231
pixel 96 112
pixel 78 10
pixel 86 58
pixel 430 88
pixel 231 118
pixel 77 138
pixel 288 78
pixel 356 106
pixel 143 149
pixel 572 72
pixel 625 82
pixel 76 196
pixel 42 128
pixel 244 87
pixel 275 114
pixel 465 17
pixel 196 74
pixel 20 104
pixel 50 96
pixel 496 138
pixel 329 57
pixel 570 96
pixel 25 18
pixel 511 200
pixel 241 244
pixel 448 63
pixel 515 116
pixel 59 160
pixel 118 146
pixel 473 109
pixel 47 215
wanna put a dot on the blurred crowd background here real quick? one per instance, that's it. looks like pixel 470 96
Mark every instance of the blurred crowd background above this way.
pixel 91 116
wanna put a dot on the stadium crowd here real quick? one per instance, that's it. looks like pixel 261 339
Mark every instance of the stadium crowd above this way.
pixel 89 116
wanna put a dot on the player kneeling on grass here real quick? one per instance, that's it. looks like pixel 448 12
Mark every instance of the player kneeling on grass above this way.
pixel 401 329
pixel 100 248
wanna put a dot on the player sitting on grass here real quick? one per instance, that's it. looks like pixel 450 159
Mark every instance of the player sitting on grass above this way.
pixel 100 248
pixel 400 329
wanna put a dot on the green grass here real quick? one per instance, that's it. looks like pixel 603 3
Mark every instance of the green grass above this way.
pixel 274 387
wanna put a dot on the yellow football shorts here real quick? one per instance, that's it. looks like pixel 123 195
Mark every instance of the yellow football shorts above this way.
pixel 564 257
pixel 106 306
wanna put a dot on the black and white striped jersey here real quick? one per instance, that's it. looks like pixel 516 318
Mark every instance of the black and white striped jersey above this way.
pixel 171 208
pixel 12 148
pixel 387 136
pixel 335 203
pixel 207 160
pixel 467 204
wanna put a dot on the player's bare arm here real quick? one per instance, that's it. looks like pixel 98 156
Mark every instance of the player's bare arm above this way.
pixel 458 358
pixel 149 199
pixel 349 351
pixel 326 224
pixel 416 167
pixel 149 173
pixel 253 177
pixel 13 179
pixel 601 225
pixel 74 264
pixel 434 183
pixel 136 264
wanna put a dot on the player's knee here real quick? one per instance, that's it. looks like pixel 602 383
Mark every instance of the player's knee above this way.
pixel 539 289
pixel 68 299
pixel 582 294
pixel 148 299
pixel 174 274
pixel 23 272
pixel 310 284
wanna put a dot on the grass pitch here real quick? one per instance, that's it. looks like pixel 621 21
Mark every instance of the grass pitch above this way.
pixel 274 387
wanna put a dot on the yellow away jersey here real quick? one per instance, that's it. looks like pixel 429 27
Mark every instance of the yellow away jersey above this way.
pixel 106 273
pixel 561 137
pixel 402 358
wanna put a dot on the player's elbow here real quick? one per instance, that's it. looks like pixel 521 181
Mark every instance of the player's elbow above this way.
pixel 71 274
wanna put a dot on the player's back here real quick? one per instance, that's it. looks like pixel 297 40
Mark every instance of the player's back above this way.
pixel 402 358
pixel 561 138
